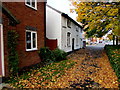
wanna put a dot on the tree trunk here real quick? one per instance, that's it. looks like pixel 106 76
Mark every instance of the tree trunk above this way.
pixel 116 40
pixel 113 39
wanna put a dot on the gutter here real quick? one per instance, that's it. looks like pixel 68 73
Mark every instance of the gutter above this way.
pixel 9 14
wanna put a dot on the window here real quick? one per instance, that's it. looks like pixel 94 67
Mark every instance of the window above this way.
pixel 68 39
pixel 69 23
pixel 31 3
pixel 31 40
pixel 77 29
pixel 64 22
pixel 77 40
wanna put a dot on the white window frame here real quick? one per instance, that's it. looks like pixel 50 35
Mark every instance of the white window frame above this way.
pixel 77 38
pixel 31 4
pixel 68 41
pixel 32 49
pixel 2 50
pixel 69 23
pixel 77 29
pixel 64 22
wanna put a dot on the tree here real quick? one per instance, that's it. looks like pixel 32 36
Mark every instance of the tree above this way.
pixel 99 17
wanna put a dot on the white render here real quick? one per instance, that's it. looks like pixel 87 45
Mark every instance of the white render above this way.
pixel 53 25
pixel 2 50
pixel 57 28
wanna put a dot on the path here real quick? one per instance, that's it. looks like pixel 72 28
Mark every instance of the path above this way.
pixel 92 70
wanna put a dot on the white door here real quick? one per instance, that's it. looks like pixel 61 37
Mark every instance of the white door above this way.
pixel 1 52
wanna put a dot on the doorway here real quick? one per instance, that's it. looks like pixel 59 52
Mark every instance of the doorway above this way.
pixel 73 44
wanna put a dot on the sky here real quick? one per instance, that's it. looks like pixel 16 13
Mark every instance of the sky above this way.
pixel 62 5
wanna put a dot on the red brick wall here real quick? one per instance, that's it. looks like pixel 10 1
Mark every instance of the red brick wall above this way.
pixel 5 29
pixel 27 17
pixel 52 44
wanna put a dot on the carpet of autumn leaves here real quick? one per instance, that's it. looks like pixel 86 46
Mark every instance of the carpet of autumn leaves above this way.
pixel 40 77
pixel 92 70
pixel 86 68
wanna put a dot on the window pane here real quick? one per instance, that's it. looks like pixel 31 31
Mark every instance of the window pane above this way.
pixel 28 2
pixel 77 40
pixel 68 23
pixel 68 39
pixel 33 3
pixel 28 40
pixel 34 40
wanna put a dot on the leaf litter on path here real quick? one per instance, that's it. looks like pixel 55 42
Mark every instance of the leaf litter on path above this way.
pixel 92 70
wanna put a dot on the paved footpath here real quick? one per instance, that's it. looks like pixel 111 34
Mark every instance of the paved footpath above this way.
pixel 92 70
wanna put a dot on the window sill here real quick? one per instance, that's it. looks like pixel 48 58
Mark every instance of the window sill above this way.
pixel 31 7
pixel 31 49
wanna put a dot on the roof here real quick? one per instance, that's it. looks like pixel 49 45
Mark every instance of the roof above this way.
pixel 9 14
pixel 65 15
pixel 54 9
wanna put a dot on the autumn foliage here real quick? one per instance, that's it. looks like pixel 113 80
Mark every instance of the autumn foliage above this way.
pixel 98 18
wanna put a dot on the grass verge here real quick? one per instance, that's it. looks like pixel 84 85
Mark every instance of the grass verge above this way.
pixel 113 53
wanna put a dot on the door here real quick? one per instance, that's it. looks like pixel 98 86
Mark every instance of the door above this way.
pixel 73 44
pixel 1 52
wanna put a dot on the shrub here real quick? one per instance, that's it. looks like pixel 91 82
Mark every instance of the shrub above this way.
pixel 13 59
pixel 46 55
pixel 113 53
pixel 49 56
pixel 59 54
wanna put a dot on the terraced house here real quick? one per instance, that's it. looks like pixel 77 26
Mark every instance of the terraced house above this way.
pixel 62 31
pixel 28 20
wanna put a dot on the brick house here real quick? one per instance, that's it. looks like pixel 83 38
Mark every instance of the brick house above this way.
pixel 29 21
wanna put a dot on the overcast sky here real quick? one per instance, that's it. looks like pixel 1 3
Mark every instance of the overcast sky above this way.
pixel 62 5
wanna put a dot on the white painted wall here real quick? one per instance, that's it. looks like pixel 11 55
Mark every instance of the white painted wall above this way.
pixel 81 38
pixel 53 25
pixel 2 50
pixel 65 29
pixel 56 28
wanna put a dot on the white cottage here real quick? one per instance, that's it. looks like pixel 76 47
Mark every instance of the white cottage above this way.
pixel 62 31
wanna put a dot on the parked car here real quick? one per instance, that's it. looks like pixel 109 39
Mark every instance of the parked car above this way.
pixel 100 41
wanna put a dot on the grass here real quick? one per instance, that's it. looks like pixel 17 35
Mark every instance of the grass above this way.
pixel 41 76
pixel 113 53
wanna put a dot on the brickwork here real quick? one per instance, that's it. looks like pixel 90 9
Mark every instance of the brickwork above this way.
pixel 27 17
pixel 51 43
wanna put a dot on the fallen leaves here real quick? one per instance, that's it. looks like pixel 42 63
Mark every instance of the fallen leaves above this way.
pixel 98 69
pixel 42 77
pixel 85 69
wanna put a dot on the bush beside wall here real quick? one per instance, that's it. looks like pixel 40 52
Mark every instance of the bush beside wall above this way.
pixel 13 59
pixel 49 56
